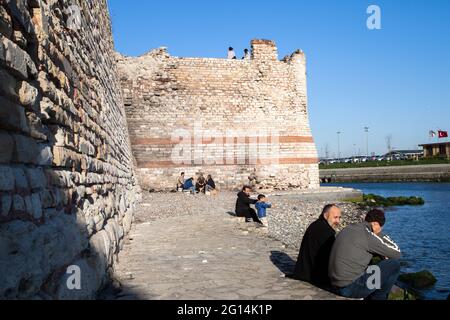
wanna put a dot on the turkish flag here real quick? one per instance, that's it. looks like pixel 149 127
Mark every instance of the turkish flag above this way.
pixel 443 134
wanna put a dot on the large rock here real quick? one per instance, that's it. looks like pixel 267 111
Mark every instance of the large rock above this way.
pixel 419 280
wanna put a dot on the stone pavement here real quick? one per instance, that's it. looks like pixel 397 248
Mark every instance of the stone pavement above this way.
pixel 207 256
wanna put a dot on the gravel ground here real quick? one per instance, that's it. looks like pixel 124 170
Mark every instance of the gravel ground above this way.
pixel 288 220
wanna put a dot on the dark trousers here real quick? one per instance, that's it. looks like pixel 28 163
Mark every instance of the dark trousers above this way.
pixel 390 270
pixel 248 214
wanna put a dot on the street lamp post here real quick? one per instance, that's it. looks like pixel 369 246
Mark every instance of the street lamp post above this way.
pixel 339 144
pixel 367 139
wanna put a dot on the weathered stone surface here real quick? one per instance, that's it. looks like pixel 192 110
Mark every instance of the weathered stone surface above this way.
pixel 92 279
pixel 33 252
pixel 67 119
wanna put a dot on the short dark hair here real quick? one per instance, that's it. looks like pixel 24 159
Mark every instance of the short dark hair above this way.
pixel 261 196
pixel 182 173
pixel 246 187
pixel 327 209
pixel 245 50
pixel 230 48
pixel 376 215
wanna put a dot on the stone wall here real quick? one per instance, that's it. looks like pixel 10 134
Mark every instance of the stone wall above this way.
pixel 228 118
pixel 67 186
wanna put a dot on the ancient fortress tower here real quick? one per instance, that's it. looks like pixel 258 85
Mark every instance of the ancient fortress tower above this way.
pixel 68 181
pixel 227 118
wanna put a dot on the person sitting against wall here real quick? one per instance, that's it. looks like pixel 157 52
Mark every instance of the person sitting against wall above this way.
pixel 201 184
pixel 243 206
pixel 181 181
pixel 189 185
pixel 314 255
pixel 210 184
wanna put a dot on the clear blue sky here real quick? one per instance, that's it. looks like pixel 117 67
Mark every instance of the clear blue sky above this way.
pixel 395 80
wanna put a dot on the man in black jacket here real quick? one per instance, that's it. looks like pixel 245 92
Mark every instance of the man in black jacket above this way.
pixel 313 259
pixel 243 205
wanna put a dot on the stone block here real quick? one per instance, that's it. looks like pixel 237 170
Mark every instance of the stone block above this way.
pixel 36 178
pixel 6 147
pixel 26 150
pixel 36 210
pixel 12 116
pixel 20 179
pixel 16 59
pixel 5 23
pixel 27 93
pixel 5 204
pixel 18 204
pixel 6 179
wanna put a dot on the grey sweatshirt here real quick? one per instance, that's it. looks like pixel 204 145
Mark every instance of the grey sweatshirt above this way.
pixel 353 250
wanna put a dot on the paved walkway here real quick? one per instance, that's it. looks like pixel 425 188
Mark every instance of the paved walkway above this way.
pixel 209 256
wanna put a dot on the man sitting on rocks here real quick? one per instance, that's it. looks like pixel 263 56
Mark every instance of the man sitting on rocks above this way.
pixel 313 259
pixel 243 206
pixel 352 252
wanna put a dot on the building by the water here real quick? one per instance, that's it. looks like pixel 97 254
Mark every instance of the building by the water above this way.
pixel 436 149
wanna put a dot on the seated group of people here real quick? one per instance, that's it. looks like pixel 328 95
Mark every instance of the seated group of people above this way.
pixel 341 263
pixel 201 185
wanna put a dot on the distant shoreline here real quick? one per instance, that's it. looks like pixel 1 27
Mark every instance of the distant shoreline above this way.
pixel 419 173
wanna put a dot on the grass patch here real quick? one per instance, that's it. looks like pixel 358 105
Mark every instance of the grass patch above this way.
pixel 372 164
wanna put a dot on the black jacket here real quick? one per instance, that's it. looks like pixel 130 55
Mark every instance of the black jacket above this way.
pixel 243 202
pixel 211 183
pixel 312 263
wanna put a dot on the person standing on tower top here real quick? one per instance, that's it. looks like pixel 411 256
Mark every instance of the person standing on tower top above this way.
pixel 231 54
pixel 246 55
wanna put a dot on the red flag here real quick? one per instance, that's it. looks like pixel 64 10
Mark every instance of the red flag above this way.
pixel 443 134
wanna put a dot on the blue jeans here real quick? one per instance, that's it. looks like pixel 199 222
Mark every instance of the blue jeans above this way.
pixel 390 270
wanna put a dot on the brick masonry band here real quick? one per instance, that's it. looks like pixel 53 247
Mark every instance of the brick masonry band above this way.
pixel 226 162
pixel 225 140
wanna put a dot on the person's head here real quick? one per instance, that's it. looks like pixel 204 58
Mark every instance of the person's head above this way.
pixel 245 50
pixel 209 177
pixel 247 190
pixel 332 214
pixel 230 49
pixel 377 220
pixel 262 198
pixel 182 174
